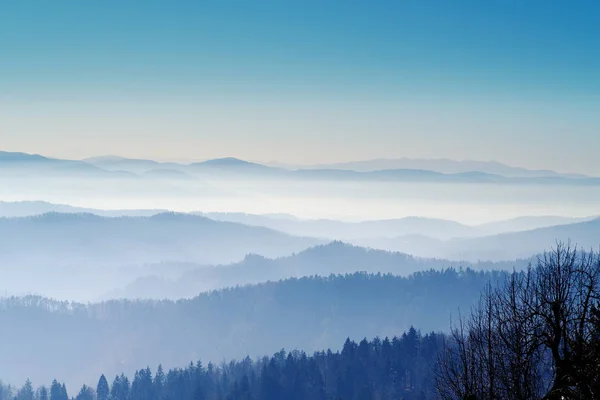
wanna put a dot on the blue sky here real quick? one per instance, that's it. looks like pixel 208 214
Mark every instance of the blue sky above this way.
pixel 304 81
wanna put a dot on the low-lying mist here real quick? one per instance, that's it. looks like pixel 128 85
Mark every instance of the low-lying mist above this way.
pixel 468 203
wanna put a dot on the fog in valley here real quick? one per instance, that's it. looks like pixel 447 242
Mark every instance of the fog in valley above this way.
pixel 310 200
pixel 135 263
pixel 159 236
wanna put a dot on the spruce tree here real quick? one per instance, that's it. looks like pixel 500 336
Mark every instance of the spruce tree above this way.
pixel 102 390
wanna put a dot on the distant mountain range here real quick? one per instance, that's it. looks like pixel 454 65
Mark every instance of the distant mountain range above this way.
pixel 445 166
pixel 339 230
pixel 410 228
pixel 84 256
pixel 504 246
pixel 85 239
pixel 22 164
pixel 33 208
pixel 514 245
pixel 407 228
pixel 527 223
pixel 401 170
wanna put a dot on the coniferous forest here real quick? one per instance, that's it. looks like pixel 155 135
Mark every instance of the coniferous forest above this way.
pixel 299 200
pixel 535 335
pixel 389 368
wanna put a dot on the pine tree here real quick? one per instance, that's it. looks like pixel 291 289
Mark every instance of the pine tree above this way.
pixel 26 392
pixel 63 392
pixel 42 393
pixel 159 383
pixel 86 393
pixel 120 388
pixel 58 391
pixel 102 390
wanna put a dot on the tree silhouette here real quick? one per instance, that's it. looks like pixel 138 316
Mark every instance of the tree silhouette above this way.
pixel 534 337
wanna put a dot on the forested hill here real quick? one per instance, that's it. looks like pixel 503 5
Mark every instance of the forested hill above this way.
pixel 323 260
pixel 388 368
pixel 83 341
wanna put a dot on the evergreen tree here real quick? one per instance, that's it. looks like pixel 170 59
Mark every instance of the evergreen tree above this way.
pixel 42 393
pixel 159 383
pixel 141 387
pixel 26 392
pixel 102 390
pixel 58 391
pixel 86 393
pixel 120 388
pixel 63 392
pixel 363 371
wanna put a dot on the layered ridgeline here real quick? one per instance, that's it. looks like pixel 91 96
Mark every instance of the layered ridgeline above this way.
pixel 323 260
pixel 82 256
pixel 90 281
pixel 80 342
pixel 150 236
pixel 88 238
pixel 322 228
pixel 521 237
pixel 86 257
pixel 24 165
pixel 533 334
pixel 387 368
pixel 504 246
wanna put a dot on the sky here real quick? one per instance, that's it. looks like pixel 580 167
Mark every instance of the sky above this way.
pixel 304 82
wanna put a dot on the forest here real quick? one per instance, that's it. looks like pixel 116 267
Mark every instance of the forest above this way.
pixel 533 335
pixel 310 314
pixel 389 368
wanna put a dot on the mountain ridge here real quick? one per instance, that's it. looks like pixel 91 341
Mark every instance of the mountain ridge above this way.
pixel 404 170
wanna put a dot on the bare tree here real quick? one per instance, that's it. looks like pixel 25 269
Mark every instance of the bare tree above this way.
pixel 533 337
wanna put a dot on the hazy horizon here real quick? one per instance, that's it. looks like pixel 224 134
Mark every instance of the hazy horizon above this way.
pixel 201 185
pixel 209 81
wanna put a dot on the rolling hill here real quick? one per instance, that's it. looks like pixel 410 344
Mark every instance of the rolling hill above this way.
pixel 340 230
pixel 90 239
pixel 504 246
pixel 309 313
pixel 508 246
pixel 322 260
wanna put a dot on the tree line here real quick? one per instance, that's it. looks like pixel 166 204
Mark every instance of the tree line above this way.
pixel 535 335
pixel 400 367
pixel 310 313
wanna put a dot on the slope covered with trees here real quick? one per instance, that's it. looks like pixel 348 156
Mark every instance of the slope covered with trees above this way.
pixel 534 335
pixel 309 314
pixel 322 260
pixel 389 368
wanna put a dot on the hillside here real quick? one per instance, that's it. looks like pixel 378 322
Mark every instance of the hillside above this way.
pixel 87 238
pixel 33 208
pixel 308 313
pixel 499 247
pixel 340 230
pixel 323 260
pixel 508 246
pixel 24 165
